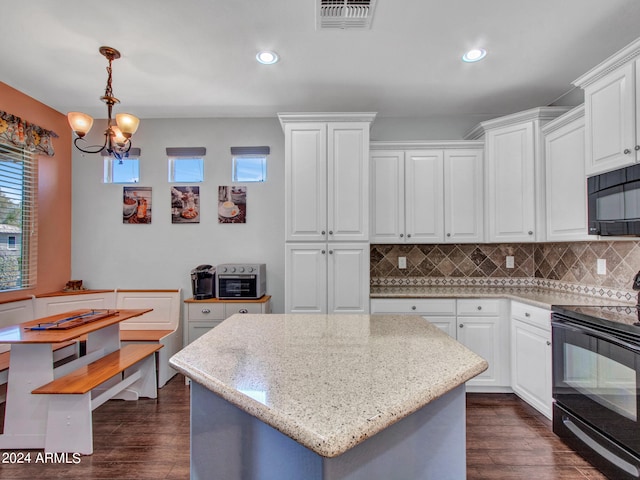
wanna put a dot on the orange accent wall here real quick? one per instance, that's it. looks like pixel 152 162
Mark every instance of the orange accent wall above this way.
pixel 54 192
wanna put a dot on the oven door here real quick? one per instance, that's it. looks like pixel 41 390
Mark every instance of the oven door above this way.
pixel 237 286
pixel 595 377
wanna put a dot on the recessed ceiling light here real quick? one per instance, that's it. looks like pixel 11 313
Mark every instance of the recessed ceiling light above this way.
pixel 267 57
pixel 474 55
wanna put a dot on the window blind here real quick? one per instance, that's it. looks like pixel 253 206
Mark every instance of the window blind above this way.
pixel 18 217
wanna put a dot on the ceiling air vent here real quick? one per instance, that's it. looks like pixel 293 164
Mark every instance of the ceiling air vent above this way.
pixel 345 13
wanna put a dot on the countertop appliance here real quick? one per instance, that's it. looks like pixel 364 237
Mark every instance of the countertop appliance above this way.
pixel 203 282
pixel 241 280
pixel 614 202
pixel 596 385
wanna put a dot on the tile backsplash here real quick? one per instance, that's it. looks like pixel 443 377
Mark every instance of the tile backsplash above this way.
pixel 571 263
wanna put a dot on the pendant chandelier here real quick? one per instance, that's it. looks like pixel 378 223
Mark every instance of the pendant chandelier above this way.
pixel 117 137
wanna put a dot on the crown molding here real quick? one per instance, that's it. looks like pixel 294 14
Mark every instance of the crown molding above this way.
pixel 539 113
pixel 627 54
pixel 286 117
pixel 571 116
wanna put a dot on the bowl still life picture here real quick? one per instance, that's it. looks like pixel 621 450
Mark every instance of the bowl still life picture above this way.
pixel 136 205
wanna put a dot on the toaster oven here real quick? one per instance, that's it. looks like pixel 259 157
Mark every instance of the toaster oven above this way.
pixel 243 280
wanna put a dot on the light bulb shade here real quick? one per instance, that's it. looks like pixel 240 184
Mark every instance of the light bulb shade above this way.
pixel 117 137
pixel 127 123
pixel 80 123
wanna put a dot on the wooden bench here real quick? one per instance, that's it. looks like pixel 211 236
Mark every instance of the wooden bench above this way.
pixel 161 326
pixel 129 373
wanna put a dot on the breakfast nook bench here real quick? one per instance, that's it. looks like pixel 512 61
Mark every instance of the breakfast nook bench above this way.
pixel 126 373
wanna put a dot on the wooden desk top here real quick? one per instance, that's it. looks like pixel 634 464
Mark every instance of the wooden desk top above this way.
pixel 20 333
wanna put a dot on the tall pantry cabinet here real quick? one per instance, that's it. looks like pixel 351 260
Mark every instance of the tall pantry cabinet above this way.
pixel 326 212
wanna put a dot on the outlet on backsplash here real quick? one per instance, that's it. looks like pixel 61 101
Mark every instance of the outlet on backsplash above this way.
pixel 402 262
pixel 601 265
pixel 510 261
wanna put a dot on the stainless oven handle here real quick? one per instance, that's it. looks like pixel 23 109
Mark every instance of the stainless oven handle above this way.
pixel 602 451
pixel 592 332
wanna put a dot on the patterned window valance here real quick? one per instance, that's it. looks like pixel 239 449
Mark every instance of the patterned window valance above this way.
pixel 16 131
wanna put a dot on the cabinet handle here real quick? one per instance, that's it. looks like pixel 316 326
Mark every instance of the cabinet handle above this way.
pixel 627 151
pixel 243 310
pixel 461 325
pixel 401 235
pixel 206 310
pixel 548 343
pixel 413 307
pixel 530 232
pixel 479 307
pixel 527 314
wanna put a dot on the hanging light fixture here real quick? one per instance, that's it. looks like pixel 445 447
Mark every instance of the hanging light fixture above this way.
pixel 117 137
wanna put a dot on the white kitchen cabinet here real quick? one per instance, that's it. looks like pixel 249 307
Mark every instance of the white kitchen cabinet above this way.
pixel 566 185
pixel 326 176
pixel 426 192
pixel 327 278
pixel 612 111
pixel 483 328
pixel 531 356
pixel 203 315
pixel 514 167
pixel 479 324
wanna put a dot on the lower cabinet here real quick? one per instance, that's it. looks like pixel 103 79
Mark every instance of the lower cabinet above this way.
pixel 327 278
pixel 479 324
pixel 531 356
pixel 203 315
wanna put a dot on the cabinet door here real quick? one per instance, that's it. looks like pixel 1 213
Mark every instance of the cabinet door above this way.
pixel 610 121
pixel 387 197
pixel 566 186
pixel 482 336
pixel 446 324
pixel 348 181
pixel 531 365
pixel 463 196
pixel 306 181
pixel 424 196
pixel 348 278
pixel 510 183
pixel 305 278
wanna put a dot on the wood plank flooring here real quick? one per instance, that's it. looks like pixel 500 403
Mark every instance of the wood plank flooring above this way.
pixel 149 439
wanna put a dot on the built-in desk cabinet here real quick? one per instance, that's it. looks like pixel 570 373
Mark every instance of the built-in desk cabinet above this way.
pixel 612 111
pixel 479 324
pixel 203 315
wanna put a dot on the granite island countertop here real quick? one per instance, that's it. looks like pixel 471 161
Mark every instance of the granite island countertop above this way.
pixel 536 296
pixel 328 381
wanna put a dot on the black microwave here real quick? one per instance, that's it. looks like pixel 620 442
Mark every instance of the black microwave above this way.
pixel 614 202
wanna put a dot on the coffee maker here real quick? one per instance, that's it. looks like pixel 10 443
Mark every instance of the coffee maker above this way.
pixel 203 282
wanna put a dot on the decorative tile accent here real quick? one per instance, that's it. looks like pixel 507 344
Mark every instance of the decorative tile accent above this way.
pixel 568 267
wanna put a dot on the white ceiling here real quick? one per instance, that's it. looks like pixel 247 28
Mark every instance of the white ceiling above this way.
pixel 196 58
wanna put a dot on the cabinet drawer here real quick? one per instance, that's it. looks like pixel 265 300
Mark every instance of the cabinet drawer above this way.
pixel 537 316
pixel 231 308
pixel 422 306
pixel 478 307
pixel 206 311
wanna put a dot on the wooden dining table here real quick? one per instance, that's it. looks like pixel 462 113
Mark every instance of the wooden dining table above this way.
pixel 31 365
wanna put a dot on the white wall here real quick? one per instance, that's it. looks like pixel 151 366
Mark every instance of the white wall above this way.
pixel 109 254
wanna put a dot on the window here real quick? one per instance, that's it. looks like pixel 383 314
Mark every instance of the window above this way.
pixel 126 170
pixel 186 164
pixel 249 164
pixel 18 218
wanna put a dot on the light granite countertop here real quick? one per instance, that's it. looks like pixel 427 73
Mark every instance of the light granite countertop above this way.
pixel 328 381
pixel 536 296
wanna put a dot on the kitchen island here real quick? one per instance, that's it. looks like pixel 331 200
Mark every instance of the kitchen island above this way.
pixel 327 397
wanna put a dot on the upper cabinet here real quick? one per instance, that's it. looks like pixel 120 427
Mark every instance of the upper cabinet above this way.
pixel 612 111
pixel 566 186
pixel 326 176
pixel 514 186
pixel 426 192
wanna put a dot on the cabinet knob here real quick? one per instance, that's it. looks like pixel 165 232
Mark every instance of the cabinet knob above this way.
pixel 243 310
pixel 627 151
pixel 461 325
pixel 637 147
pixel 448 234
pixel 330 232
pixel 479 307
pixel 408 235
pixel 527 314
pixel 323 232
pixel 530 232
pixel 548 342
pixel 330 252
pixel 206 310
pixel 323 252
pixel 413 307
pixel 401 235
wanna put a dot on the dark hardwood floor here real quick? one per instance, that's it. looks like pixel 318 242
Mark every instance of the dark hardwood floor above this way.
pixel 149 439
